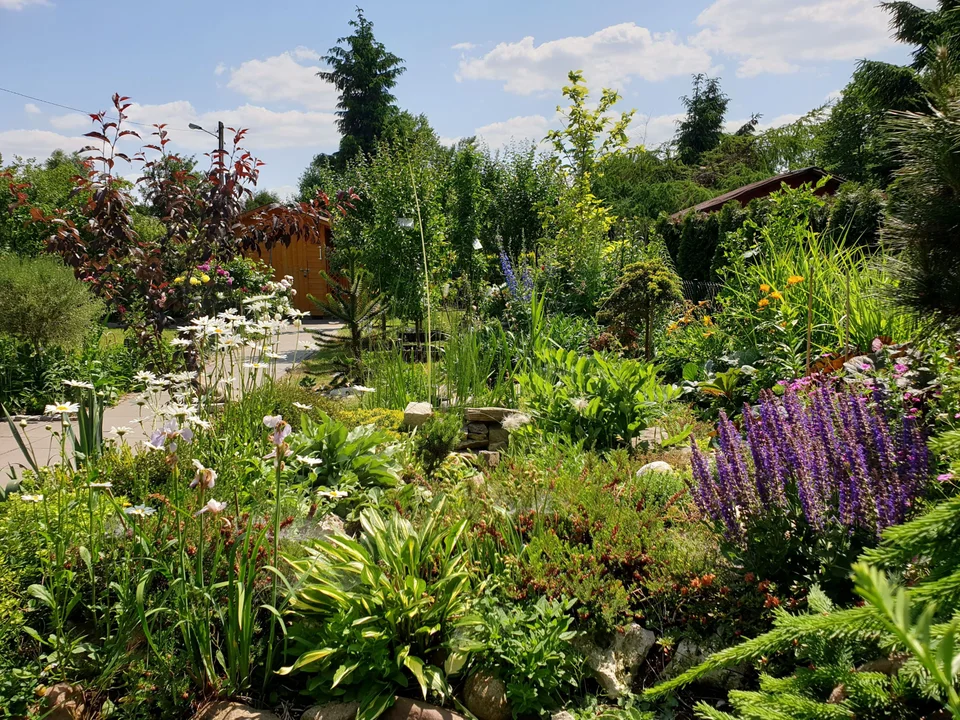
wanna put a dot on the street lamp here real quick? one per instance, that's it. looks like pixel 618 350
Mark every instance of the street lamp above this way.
pixel 218 135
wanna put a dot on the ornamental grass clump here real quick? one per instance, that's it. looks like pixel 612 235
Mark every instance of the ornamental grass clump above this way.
pixel 811 481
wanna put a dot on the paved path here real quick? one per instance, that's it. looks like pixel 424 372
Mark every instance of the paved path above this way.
pixel 127 412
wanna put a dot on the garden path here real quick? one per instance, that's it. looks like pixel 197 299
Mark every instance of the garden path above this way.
pixel 127 412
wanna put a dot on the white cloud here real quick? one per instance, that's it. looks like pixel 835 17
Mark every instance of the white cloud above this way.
pixel 608 57
pixel 651 131
pixel 517 129
pixel 20 4
pixel 783 36
pixel 220 69
pixel 284 78
pixel 71 121
pixel 37 143
pixel 463 46
pixel 31 109
pixel 284 192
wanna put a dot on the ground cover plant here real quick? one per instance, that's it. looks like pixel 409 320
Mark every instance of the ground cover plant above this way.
pixel 656 467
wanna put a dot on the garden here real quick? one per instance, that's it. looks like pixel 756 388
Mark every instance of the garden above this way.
pixel 565 452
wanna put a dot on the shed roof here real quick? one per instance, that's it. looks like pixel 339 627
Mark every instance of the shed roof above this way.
pixel 768 186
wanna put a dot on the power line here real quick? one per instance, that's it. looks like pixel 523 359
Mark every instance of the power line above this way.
pixel 68 107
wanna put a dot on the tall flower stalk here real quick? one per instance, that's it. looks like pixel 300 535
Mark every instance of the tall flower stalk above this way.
pixel 838 454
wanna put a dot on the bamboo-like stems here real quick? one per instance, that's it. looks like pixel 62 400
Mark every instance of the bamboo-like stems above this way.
pixel 809 316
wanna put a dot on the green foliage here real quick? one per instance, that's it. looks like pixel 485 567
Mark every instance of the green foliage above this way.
pixel 923 551
pixel 360 458
pixel 854 144
pixel 702 127
pixel 920 217
pixel 578 225
pixel 43 304
pixel 436 439
pixel 364 72
pixel 645 289
pixel 370 615
pixel 601 401
pixel 528 645
pixel 355 305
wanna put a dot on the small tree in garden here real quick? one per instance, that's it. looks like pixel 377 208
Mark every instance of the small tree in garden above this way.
pixel 579 224
pixel 200 216
pixel 43 304
pixel 355 304
pixel 702 128
pixel 646 288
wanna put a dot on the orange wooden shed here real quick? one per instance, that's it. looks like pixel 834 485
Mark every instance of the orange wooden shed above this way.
pixel 305 257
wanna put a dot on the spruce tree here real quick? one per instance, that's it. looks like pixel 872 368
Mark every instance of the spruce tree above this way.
pixel 364 72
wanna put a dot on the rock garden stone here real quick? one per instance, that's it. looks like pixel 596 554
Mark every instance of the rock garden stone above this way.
pixel 233 711
pixel 562 715
pixel 331 711
pixel 650 439
pixel 417 413
pixel 407 709
pixel 486 697
pixel 477 431
pixel 488 414
pixel 64 701
pixel 616 665
pixel 498 435
pixel 687 654
pixel 657 466
pixel 490 458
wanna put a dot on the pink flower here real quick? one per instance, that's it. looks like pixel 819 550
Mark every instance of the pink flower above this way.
pixel 945 477
pixel 876 345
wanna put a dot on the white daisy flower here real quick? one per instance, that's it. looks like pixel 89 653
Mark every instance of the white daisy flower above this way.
pixel 61 408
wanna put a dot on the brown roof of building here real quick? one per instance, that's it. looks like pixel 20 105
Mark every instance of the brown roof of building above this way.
pixel 743 195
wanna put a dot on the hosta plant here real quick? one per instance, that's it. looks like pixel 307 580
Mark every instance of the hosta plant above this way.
pixel 327 454
pixel 602 401
pixel 371 615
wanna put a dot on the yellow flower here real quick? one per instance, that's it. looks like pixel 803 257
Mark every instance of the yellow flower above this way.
pixel 707 321
pixel 194 281
pixel 776 295
pixel 794 279
pixel 708 333
pixel 762 304
pixel 764 288
pixel 178 280
pixel 673 327
pixel 205 278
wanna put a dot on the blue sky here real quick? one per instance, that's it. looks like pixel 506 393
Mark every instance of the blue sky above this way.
pixel 494 69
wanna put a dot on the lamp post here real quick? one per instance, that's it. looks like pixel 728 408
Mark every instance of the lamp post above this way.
pixel 219 136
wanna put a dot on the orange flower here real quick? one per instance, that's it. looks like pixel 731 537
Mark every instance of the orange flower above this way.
pixel 794 279
pixel 776 295
pixel 673 327
pixel 764 288
pixel 762 304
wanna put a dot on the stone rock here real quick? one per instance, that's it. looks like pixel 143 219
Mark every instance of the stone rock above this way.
pixel 476 481
pixel 562 715
pixel 407 709
pixel 490 458
pixel 477 428
pixel 233 711
pixel 497 446
pixel 488 414
pixel 64 701
pixel 331 711
pixel 498 435
pixel 616 665
pixel 657 466
pixel 687 654
pixel 417 413
pixel 486 697
pixel 650 439
pixel 472 444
